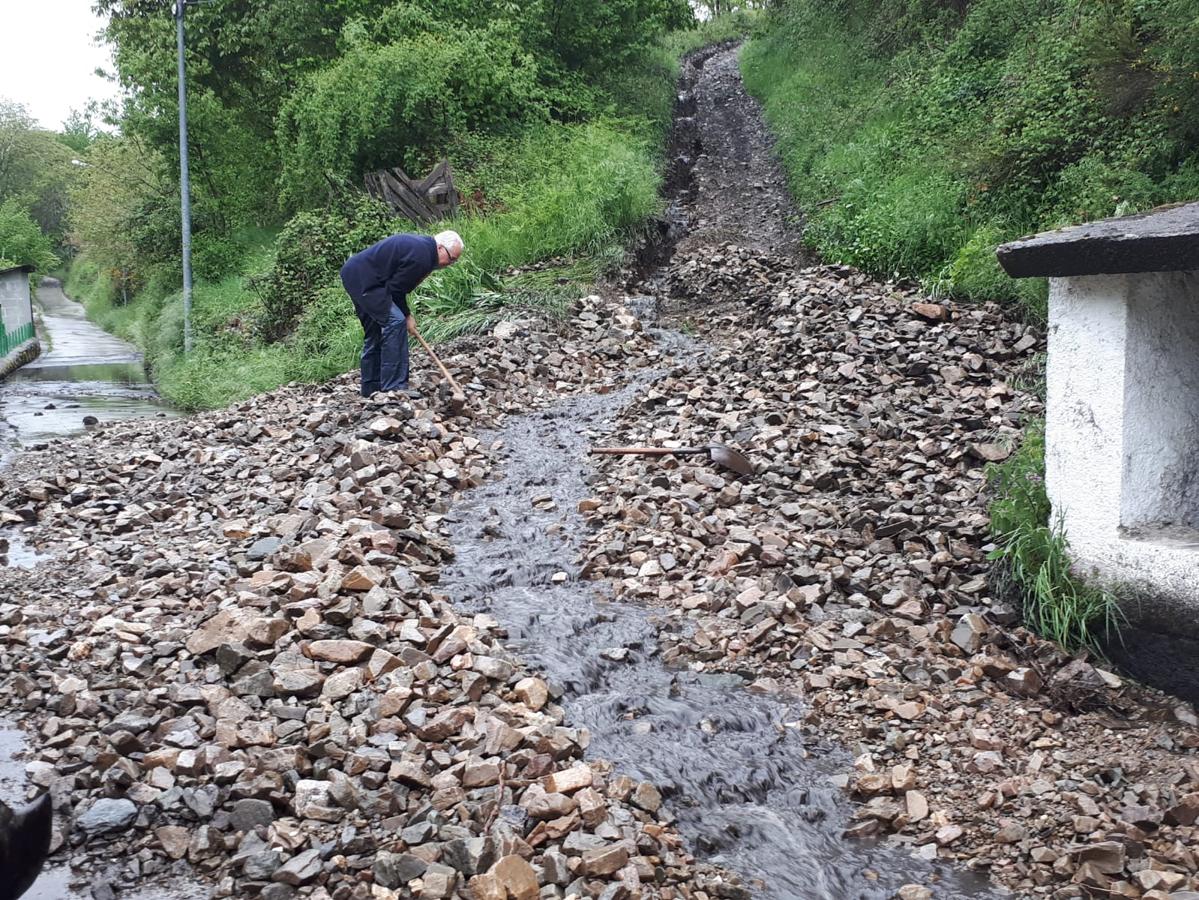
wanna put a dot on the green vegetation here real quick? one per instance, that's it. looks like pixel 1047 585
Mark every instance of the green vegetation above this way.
pixel 36 173
pixel 22 242
pixel 36 168
pixel 1032 553
pixel 919 134
pixel 559 191
pixel 552 114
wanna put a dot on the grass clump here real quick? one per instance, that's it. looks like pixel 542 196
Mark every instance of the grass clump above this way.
pixel 1033 554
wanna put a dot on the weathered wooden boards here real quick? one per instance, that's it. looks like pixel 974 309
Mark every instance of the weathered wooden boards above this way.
pixel 426 201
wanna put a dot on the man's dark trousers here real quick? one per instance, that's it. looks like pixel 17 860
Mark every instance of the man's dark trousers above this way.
pixel 384 351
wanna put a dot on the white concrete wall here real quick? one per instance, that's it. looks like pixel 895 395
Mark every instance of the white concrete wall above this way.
pixel 1085 387
pixel 15 299
pixel 1161 398
pixel 1122 427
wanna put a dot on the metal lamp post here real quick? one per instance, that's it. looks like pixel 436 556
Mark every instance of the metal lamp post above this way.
pixel 184 184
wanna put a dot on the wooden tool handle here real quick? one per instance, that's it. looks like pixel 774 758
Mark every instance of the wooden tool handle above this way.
pixel 646 451
pixel 444 370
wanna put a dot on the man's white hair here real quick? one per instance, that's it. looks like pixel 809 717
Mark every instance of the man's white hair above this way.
pixel 452 242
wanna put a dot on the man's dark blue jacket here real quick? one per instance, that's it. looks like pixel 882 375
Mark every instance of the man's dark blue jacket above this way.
pixel 385 272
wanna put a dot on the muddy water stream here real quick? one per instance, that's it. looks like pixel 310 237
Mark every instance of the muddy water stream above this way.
pixel 749 785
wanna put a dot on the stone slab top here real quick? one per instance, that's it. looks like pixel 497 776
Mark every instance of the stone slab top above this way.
pixel 11 269
pixel 1165 239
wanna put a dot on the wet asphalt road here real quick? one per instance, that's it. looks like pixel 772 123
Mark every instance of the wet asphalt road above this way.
pixel 83 371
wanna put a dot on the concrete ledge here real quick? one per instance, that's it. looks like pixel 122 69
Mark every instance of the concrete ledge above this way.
pixel 1162 240
pixel 18 356
pixel 1158 580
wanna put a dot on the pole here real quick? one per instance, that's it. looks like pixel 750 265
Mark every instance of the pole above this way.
pixel 184 185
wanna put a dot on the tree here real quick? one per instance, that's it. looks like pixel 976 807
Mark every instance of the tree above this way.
pixel 22 243
pixel 79 129
pixel 244 57
pixel 119 206
pixel 35 169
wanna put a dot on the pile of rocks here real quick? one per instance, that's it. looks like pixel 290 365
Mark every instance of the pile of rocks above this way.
pixel 244 667
pixel 852 567
pixel 238 657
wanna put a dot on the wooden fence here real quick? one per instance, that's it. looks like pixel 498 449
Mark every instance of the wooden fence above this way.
pixel 431 199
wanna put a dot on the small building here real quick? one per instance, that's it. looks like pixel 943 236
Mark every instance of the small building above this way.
pixel 1122 421
pixel 18 340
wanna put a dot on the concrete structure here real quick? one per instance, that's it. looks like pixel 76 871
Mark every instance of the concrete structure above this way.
pixel 18 340
pixel 1122 424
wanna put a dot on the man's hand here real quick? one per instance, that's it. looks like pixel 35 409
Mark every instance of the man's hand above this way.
pixel 412 325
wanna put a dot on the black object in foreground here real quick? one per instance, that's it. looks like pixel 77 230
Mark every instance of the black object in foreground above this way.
pixel 24 845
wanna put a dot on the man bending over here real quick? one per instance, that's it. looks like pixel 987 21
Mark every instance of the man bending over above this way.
pixel 378 280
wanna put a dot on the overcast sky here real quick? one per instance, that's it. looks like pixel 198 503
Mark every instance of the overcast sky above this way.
pixel 50 55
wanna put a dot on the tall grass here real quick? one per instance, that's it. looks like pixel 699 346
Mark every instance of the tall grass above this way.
pixel 1033 554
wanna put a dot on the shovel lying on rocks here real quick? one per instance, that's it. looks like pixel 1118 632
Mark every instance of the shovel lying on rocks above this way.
pixel 457 398
pixel 722 455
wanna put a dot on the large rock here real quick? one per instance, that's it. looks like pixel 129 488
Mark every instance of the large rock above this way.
pixel 107 815
pixel 517 878
pixel 300 869
pixel 394 870
pixel 342 652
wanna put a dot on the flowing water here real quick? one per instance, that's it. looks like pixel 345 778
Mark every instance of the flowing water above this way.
pixel 749 785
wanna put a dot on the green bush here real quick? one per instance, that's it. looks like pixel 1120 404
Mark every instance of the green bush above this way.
pixel 309 252
pixel 564 190
pixel 906 222
pixel 22 242
pixel 215 257
pixel 402 103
